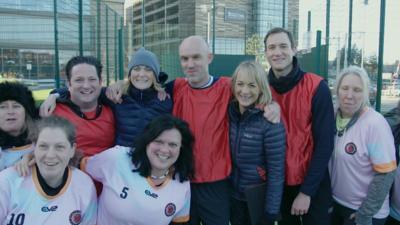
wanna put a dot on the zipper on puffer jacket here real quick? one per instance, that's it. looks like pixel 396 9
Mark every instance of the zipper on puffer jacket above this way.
pixel 236 151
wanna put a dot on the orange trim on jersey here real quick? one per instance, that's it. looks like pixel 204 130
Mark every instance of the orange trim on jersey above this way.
pixel 25 147
pixel 150 181
pixel 83 164
pixel 40 190
pixel 181 219
pixel 385 167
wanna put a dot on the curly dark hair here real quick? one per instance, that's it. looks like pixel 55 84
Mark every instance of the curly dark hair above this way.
pixel 184 164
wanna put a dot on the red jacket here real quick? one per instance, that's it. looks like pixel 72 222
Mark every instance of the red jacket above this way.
pixel 206 112
pixel 295 106
pixel 92 136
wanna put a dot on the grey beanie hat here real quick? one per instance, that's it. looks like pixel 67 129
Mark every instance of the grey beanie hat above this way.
pixel 145 58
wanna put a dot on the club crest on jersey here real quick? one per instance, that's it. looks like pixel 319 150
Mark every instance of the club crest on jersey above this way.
pixel 75 218
pixel 350 148
pixel 170 209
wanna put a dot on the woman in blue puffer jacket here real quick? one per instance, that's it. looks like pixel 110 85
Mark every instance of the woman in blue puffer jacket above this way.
pixel 257 146
pixel 140 103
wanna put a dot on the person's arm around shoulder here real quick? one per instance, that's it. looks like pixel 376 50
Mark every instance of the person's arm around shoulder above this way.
pixel 49 105
pixel 272 112
pixel 114 91
pixel 101 166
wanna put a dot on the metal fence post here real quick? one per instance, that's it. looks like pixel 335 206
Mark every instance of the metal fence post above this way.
pixel 283 13
pixel 350 31
pixel 115 48
pixel 318 54
pixel 56 59
pixel 380 55
pixel 143 23
pixel 98 30
pixel 107 51
pixel 213 20
pixel 121 50
pixel 327 34
pixel 80 28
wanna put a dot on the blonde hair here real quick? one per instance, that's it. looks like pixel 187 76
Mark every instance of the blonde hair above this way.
pixel 157 86
pixel 257 72
pixel 362 74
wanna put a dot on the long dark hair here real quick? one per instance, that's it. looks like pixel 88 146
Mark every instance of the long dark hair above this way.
pixel 183 165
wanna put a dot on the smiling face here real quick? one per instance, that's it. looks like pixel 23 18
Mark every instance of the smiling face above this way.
pixel 279 53
pixel 350 94
pixel 163 151
pixel 12 117
pixel 195 57
pixel 142 77
pixel 84 86
pixel 246 90
pixel 53 152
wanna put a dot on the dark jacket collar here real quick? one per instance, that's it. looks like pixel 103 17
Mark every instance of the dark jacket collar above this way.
pixel 76 109
pixel 142 95
pixel 286 83
pixel 235 114
pixel 9 141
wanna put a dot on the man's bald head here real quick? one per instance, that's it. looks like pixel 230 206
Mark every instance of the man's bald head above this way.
pixel 195 40
pixel 195 56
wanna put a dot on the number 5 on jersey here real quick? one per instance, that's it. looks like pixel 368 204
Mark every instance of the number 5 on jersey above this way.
pixel 124 193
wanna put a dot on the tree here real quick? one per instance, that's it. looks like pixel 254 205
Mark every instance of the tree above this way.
pixel 354 59
pixel 371 66
pixel 255 46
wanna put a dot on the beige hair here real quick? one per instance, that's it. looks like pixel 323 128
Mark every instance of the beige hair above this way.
pixel 256 71
pixel 362 74
pixel 157 86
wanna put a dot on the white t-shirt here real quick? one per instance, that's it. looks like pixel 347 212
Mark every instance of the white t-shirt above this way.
pixel 11 155
pixel 362 151
pixel 130 199
pixel 23 201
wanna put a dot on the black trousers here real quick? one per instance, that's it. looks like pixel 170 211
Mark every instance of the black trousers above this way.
pixel 239 212
pixel 341 216
pixel 210 203
pixel 392 221
pixel 320 209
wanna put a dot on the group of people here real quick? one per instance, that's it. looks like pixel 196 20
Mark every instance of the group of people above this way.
pixel 320 164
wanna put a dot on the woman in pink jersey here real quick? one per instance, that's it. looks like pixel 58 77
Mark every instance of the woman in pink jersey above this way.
pixel 363 164
pixel 52 192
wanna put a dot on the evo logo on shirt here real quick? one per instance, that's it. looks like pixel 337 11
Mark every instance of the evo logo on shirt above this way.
pixel 153 195
pixel 49 209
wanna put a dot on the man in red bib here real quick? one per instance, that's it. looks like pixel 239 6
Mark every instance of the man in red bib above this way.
pixel 94 122
pixel 307 112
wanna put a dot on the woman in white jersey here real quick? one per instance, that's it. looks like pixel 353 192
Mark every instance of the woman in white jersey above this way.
pixel 148 184
pixel 52 192
pixel 363 163
pixel 17 112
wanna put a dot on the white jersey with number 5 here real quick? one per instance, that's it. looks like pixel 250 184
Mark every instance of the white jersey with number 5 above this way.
pixel 23 201
pixel 130 199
